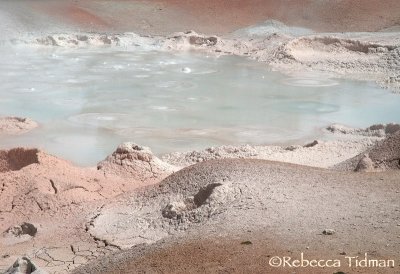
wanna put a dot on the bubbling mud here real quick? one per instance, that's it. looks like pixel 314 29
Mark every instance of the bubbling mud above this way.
pixel 88 100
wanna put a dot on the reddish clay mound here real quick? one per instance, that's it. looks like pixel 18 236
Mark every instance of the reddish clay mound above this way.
pixel 17 158
pixel 221 16
pixel 335 16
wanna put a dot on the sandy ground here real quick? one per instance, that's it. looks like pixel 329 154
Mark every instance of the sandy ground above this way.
pixel 249 252
pixel 230 208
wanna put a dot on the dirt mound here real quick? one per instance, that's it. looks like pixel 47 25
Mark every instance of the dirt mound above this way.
pixel 182 200
pixel 229 197
pixel 17 158
pixel 16 125
pixel 134 162
pixel 209 16
pixel 383 156
pixel 337 16
pixel 50 184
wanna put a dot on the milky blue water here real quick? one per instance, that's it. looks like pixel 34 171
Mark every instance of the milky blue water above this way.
pixel 87 101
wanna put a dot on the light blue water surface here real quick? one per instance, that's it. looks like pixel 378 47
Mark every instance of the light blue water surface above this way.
pixel 87 101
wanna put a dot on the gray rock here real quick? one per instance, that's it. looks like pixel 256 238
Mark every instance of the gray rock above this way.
pixel 23 229
pixel 19 233
pixel 312 144
pixel 328 232
pixel 24 266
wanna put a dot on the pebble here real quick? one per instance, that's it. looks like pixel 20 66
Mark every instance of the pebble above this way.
pixel 328 232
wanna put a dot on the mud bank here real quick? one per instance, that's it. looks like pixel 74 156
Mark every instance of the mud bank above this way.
pixel 361 56
pixel 62 216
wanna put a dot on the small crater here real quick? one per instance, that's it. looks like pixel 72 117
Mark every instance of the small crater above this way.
pixel 204 194
pixel 177 209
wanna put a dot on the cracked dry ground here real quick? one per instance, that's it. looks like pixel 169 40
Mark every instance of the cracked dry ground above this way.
pixel 58 199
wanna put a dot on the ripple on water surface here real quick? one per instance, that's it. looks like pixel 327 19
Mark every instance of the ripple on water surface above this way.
pixel 304 81
pixel 104 120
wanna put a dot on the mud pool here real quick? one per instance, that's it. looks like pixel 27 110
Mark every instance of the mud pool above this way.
pixel 87 101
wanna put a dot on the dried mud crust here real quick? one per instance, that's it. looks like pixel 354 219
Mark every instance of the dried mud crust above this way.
pixel 44 205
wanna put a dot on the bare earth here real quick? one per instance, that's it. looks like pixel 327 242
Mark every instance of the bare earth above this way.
pixel 210 16
pixel 220 210
pixel 281 209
